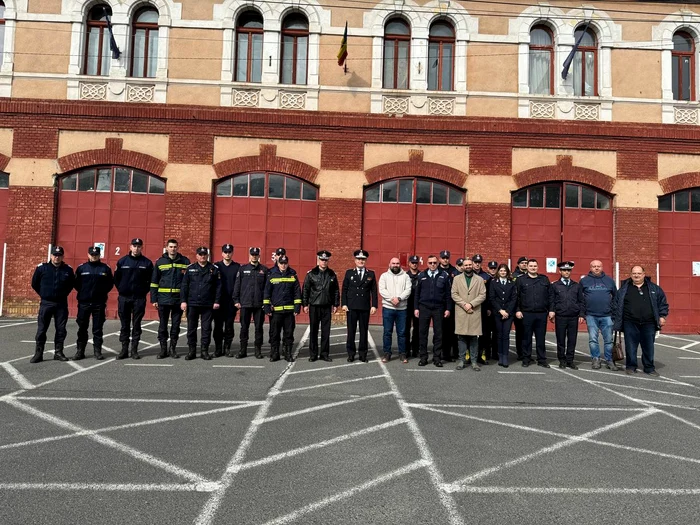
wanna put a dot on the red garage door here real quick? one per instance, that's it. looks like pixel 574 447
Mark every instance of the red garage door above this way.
pixel 4 197
pixel 110 205
pixel 679 249
pixel 268 210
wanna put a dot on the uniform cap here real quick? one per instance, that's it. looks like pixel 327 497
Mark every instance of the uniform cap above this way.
pixel 477 258
pixel 460 262
pixel 57 250
pixel 493 264
pixel 324 255
pixel 254 250
pixel 445 254
pixel 280 251
pixel 137 242
pixel 202 250
pixel 94 250
pixel 361 254
pixel 566 265
pixel 522 259
pixel 227 248
pixel 283 259
pixel 414 259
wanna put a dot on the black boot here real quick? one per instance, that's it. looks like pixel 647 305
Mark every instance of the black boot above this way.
pixel 38 353
pixel 289 352
pixel 163 351
pixel 173 351
pixel 58 354
pixel 274 354
pixel 125 351
pixel 258 352
pixel 228 351
pixel 205 353
pixel 135 351
pixel 192 354
pixel 243 352
pixel 218 350
pixel 97 350
pixel 79 352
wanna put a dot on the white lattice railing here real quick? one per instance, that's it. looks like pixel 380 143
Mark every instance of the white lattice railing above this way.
pixel 292 100
pixel 542 109
pixel 586 112
pixel 395 105
pixel 685 115
pixel 140 93
pixel 93 91
pixel 248 98
pixel 441 106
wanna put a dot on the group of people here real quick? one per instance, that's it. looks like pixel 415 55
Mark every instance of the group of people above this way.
pixel 471 310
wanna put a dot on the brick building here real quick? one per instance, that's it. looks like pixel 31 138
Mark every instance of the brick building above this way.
pixel 450 127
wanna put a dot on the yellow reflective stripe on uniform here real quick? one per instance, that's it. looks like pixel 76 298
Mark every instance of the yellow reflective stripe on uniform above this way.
pixel 276 280
pixel 266 301
pixel 154 285
pixel 177 265
pixel 165 266
pixel 168 290
pixel 297 301
pixel 286 307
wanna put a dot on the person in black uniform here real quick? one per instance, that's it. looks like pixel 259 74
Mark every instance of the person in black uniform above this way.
pixel 450 346
pixel 132 279
pixel 53 281
pixel 248 298
pixel 320 298
pixel 359 301
pixel 411 319
pixel 93 282
pixel 201 295
pixel 502 301
pixel 533 306
pixel 492 349
pixel 168 272
pixel 566 309
pixel 519 272
pixel 226 314
pixel 433 298
pixel 282 302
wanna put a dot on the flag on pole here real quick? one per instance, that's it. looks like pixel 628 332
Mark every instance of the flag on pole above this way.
pixel 570 58
pixel 112 42
pixel 343 53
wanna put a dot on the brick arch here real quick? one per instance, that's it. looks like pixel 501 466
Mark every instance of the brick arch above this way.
pixel 266 161
pixel 416 167
pixel 4 161
pixel 112 153
pixel 673 184
pixel 564 170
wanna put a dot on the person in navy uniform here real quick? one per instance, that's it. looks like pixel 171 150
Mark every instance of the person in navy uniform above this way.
pixel 248 298
pixel 132 279
pixel 450 346
pixel 566 309
pixel 53 281
pixel 411 319
pixel 485 337
pixel 201 295
pixel 490 323
pixel 320 298
pixel 93 282
pixel 533 306
pixel 226 314
pixel 282 302
pixel 432 303
pixel 519 272
pixel 359 301
pixel 502 301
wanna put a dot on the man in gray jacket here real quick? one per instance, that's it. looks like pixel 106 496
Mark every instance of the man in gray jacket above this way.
pixel 395 289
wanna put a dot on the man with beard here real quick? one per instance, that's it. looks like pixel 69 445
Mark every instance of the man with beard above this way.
pixel 395 289
pixel 468 293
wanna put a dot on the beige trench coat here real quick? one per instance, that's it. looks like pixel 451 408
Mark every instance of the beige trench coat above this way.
pixel 468 323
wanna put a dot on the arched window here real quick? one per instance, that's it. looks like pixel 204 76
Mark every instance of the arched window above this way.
pixel 295 48
pixel 270 185
pixel 397 43
pixel 441 56
pixel 2 29
pixel 684 200
pixel 585 65
pixel 683 66
pixel 144 43
pixel 97 52
pixel 249 44
pixel 541 61
pixel 117 179
pixel 4 180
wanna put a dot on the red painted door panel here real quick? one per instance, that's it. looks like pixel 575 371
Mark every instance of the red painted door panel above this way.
pixel 536 234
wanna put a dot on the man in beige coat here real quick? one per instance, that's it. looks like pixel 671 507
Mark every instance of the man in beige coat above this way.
pixel 468 293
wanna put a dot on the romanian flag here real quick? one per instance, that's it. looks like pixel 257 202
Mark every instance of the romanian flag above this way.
pixel 343 53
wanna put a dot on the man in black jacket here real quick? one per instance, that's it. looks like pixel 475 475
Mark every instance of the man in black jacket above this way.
pixel 201 294
pixel 450 348
pixel 566 309
pixel 53 281
pixel 411 319
pixel 432 303
pixel 320 298
pixel 533 306
pixel 518 323
pixel 132 279
pixel 226 314
pixel 93 282
pixel 282 302
pixel 359 301
pixel 248 298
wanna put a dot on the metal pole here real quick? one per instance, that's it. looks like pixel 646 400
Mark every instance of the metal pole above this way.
pixel 617 274
pixel 48 255
pixel 657 273
pixel 2 286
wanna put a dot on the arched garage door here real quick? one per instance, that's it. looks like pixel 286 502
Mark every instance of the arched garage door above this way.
pixel 679 257
pixel 110 205
pixel 562 221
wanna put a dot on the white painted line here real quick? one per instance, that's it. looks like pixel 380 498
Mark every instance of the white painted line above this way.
pixel 517 407
pixel 690 345
pixel 321 444
pixel 338 328
pixel 676 337
pixel 22 381
pixel 581 490
pixel 671 405
pixel 75 365
pixel 664 392
pixel 656 343
pixel 679 357
pixel 208 512
pixel 237 366
pixel 526 373
pixel 328 384
pixel 295 515
pixel 424 370
pixel 146 364
pixel 17 324
pixel 323 407
pixel 690 377
pixel 635 376
pixel 137 400
pixel 106 361
pixel 114 487
pixel 324 368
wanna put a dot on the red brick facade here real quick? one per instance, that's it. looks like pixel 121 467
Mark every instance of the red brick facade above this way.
pixel 636 239
pixel 112 154
pixel 266 161
pixel 488 230
pixel 188 219
pixel 564 171
pixel 4 161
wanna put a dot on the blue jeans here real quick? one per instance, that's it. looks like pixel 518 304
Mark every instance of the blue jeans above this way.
pixel 468 345
pixel 636 334
pixel 603 325
pixel 389 317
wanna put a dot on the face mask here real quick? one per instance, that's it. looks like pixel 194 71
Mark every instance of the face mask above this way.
pixel 395 270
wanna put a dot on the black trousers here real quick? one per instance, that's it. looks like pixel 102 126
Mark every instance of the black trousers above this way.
pixel 194 314
pixel 412 333
pixel 566 329
pixel 534 323
pixel 502 337
pixel 450 347
pixel 130 309
pixel 282 322
pixel 493 330
pixel 485 337
pixel 436 315
pixel 320 315
pixel 355 317
pixel 518 336
pixel 174 313
pixel 224 319
pixel 97 312
pixel 258 316
pixel 59 313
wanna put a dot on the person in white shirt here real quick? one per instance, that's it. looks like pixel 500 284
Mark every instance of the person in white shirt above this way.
pixel 395 289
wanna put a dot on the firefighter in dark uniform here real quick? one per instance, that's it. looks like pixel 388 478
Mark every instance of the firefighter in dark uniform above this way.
pixel 519 272
pixel 433 301
pixel 168 273
pixel 450 348
pixel 132 279
pixel 533 307
pixel 248 298
pixel 201 295
pixel 320 299
pixel 282 302
pixel 490 326
pixel 53 281
pixel 485 337
pixel 359 301
pixel 226 314
pixel 412 320
pixel 93 282
pixel 566 309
